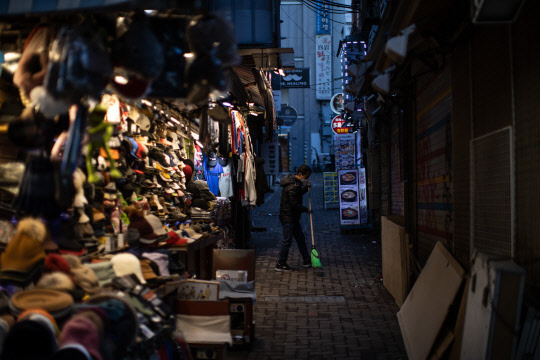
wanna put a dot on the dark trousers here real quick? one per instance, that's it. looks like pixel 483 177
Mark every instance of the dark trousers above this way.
pixel 291 230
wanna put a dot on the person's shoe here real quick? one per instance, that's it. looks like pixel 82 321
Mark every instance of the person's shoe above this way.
pixel 283 267
pixel 307 265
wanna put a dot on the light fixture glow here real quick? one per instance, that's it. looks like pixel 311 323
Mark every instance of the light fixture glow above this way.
pixel 188 55
pixel 227 104
pixel 175 120
pixel 199 143
pixel 146 102
pixel 121 80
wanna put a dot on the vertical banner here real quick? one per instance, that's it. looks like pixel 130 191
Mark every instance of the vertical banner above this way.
pixel 362 195
pixel 323 67
pixel 322 20
pixel 349 199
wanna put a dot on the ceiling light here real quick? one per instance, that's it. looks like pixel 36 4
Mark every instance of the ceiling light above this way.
pixel 121 80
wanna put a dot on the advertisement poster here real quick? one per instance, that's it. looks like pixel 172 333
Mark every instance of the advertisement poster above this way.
pixel 344 151
pixel 323 67
pixel 349 197
pixel 362 195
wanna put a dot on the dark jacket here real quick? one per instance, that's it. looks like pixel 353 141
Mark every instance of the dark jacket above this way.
pixel 291 199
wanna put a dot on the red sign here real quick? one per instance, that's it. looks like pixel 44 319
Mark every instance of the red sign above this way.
pixel 337 126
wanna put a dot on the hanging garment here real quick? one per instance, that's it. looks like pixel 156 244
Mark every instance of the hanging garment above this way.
pixel 212 175
pixel 249 179
pixel 225 182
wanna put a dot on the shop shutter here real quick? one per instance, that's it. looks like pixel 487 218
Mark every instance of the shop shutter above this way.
pixel 396 158
pixel 491 223
pixel 434 162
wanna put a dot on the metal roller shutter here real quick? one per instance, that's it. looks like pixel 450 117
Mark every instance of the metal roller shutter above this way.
pixel 434 162
pixel 396 185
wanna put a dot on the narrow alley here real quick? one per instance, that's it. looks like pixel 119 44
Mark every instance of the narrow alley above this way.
pixel 341 312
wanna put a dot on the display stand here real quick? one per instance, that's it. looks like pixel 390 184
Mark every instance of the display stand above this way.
pixel 197 256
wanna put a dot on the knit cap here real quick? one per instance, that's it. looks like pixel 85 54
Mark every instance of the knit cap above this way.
pixel 26 247
pixel 81 330
pixel 82 275
pixel 103 271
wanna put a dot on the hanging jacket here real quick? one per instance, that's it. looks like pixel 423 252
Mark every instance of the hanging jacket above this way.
pixel 291 207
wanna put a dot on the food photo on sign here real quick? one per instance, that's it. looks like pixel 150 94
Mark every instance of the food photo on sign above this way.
pixel 349 213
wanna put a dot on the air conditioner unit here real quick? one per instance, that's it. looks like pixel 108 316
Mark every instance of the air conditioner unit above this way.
pixel 495 11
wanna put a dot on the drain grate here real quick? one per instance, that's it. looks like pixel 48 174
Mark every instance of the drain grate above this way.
pixel 306 299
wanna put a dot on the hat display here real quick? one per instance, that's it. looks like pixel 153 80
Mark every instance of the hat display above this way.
pixel 161 259
pixel 150 228
pixel 126 264
pixel 191 234
pixel 55 281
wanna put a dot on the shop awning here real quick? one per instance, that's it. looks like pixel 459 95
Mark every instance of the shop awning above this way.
pixel 268 59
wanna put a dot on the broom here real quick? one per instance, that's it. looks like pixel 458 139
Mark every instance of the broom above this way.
pixel 315 260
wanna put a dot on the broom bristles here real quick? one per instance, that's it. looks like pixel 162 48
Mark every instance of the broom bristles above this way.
pixel 315 260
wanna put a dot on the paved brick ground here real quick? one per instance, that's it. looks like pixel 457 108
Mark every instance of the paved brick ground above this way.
pixel 362 326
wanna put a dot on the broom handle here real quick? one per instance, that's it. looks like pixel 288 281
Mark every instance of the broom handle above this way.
pixel 311 219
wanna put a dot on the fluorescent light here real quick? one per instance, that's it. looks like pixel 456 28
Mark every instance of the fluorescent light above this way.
pixel 175 120
pixel 194 135
pixel 121 80
pixel 188 55
pixel 227 104
pixel 254 113
pixel 146 102
pixel 11 56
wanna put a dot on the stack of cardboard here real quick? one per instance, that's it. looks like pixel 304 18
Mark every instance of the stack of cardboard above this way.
pixel 395 258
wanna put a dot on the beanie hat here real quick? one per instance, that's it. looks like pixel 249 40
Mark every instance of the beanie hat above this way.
pixel 37 333
pixel 26 247
pixel 103 271
pixel 82 275
pixel 127 264
pixel 188 171
pixel 56 281
pixel 81 330
pixel 72 352
pixel 56 262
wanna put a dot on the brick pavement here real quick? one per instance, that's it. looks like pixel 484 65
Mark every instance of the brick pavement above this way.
pixel 301 314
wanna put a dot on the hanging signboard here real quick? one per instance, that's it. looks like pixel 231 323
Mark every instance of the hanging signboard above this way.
pixel 323 67
pixel 338 128
pixel 344 151
pixel 288 115
pixel 322 20
pixel 349 199
pixel 336 104
pixel 296 78
pixel 362 195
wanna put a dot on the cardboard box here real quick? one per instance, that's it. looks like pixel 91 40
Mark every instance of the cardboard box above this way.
pixel 493 309
pixel 426 307
pixel 395 258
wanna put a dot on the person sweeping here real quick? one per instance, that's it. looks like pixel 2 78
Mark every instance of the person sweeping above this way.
pixel 290 211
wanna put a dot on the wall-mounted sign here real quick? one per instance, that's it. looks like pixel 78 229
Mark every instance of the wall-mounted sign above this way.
pixel 288 115
pixel 338 128
pixel 322 20
pixel 336 104
pixel 296 78
pixel 323 67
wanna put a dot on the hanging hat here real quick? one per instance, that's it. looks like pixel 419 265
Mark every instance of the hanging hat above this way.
pixel 127 264
pixel 81 330
pixel 25 249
